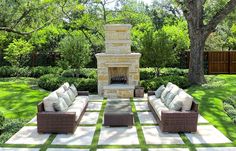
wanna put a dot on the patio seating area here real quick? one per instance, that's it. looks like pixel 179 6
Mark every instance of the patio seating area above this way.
pixel 144 135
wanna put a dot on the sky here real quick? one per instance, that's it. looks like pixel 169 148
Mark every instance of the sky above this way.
pixel 147 1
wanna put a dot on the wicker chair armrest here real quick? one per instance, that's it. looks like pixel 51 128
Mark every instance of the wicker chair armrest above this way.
pixel 151 93
pixel 176 115
pixel 83 93
pixel 40 107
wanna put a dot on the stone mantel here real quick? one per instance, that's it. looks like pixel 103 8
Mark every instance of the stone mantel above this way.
pixel 131 55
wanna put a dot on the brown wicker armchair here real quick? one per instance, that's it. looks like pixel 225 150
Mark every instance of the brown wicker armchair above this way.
pixel 58 122
pixel 177 121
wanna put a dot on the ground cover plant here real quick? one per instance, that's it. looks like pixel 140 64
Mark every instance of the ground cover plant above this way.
pixel 230 107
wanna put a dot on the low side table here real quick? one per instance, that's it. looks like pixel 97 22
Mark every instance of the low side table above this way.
pixel 118 113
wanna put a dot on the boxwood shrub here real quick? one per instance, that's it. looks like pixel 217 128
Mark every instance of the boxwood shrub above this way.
pixel 154 83
pixel 51 82
pixel 150 73
pixel 83 73
pixel 10 71
pixel 230 108
pixel 2 119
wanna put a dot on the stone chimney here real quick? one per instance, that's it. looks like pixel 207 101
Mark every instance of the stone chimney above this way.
pixel 117 68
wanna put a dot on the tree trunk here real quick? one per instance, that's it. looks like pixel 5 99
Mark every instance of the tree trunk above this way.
pixel 196 68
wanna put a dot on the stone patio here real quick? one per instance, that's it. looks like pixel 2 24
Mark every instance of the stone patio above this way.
pixel 82 136
pixel 118 136
pixel 153 135
pixel 28 135
pixel 121 136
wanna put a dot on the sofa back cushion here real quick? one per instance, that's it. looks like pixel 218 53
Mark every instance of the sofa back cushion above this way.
pixel 60 105
pixel 165 92
pixel 159 91
pixel 66 86
pixel 60 90
pixel 176 104
pixel 71 95
pixel 186 100
pixel 74 90
pixel 49 100
pixel 66 97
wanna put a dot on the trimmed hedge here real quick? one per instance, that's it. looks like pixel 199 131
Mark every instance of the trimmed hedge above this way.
pixel 83 73
pixel 153 84
pixel 9 71
pixel 150 73
pixel 51 82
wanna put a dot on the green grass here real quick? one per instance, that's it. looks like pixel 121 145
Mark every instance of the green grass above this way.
pixel 210 98
pixel 19 97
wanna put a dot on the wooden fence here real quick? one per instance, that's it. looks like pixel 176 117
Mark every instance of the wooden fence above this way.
pixel 221 62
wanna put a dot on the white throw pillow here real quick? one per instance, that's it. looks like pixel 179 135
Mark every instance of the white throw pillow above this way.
pixel 60 90
pixel 66 97
pixel 165 92
pixel 74 90
pixel 60 105
pixel 186 99
pixel 176 104
pixel 49 100
pixel 71 94
pixel 66 86
pixel 159 91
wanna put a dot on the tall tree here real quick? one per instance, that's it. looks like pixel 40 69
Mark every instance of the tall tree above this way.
pixel 199 30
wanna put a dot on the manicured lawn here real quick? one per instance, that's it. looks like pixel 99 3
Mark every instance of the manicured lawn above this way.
pixel 19 97
pixel 210 97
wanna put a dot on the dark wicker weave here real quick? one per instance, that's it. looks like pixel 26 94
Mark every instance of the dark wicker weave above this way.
pixel 58 122
pixel 118 113
pixel 177 121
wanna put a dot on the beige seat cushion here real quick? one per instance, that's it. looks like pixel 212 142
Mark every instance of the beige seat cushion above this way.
pixel 158 106
pixel 78 112
pixel 158 111
pixel 151 97
pixel 49 100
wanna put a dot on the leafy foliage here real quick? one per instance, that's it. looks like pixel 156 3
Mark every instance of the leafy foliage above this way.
pixel 75 51
pixel 18 51
pixel 157 49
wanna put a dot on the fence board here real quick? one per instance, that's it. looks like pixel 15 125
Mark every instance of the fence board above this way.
pixel 221 62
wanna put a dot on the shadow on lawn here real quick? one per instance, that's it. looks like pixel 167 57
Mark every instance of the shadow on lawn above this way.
pixel 17 99
pixel 210 98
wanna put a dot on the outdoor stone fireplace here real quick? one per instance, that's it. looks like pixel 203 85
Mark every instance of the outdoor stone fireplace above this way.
pixel 118 68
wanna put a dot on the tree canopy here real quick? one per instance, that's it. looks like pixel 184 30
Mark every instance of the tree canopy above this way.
pixel 45 24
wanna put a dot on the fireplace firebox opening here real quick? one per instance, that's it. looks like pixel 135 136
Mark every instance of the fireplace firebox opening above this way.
pixel 118 75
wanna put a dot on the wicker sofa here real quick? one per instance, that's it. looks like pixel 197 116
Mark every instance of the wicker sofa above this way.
pixel 62 121
pixel 169 119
